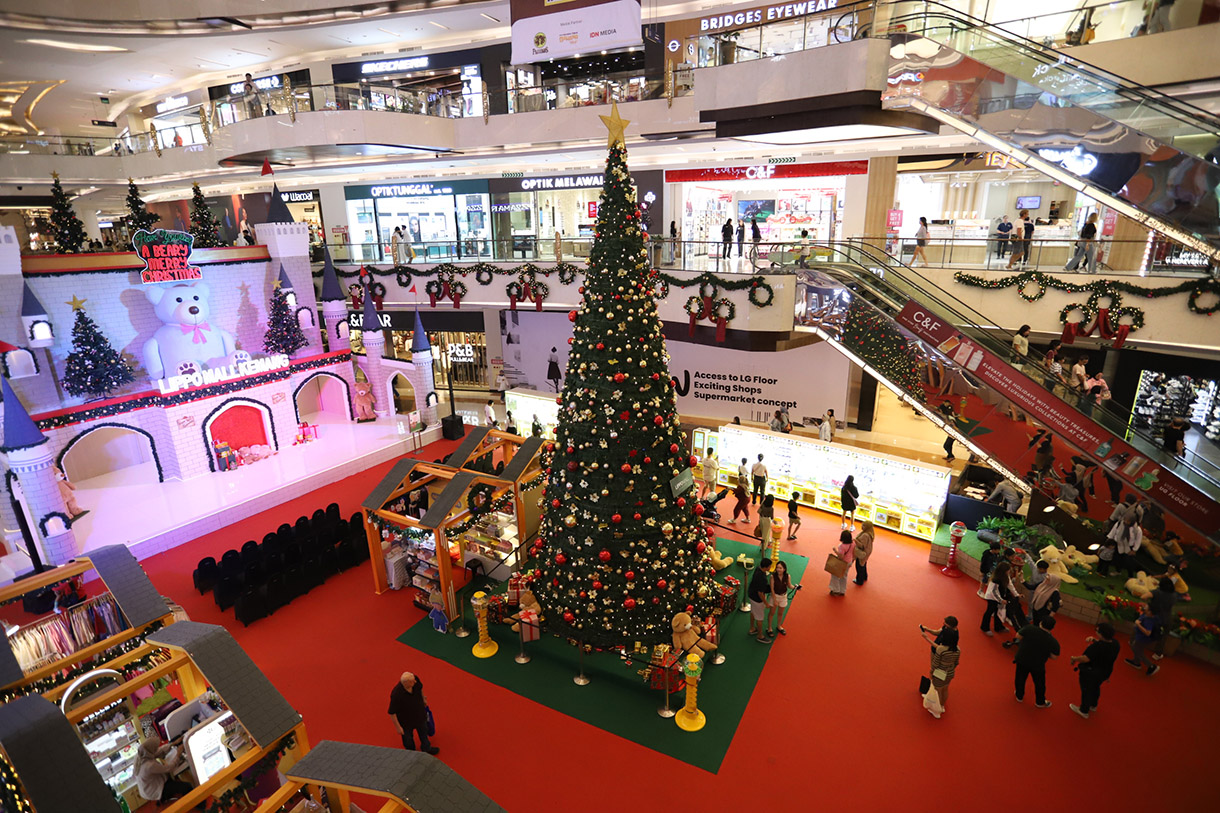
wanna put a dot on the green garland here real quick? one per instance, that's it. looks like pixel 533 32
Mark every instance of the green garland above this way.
pixel 71 673
pixel 760 293
pixel 1099 289
pixel 478 506
pixel 225 801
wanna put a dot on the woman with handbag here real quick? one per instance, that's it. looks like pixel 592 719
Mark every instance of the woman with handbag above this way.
pixel 844 551
pixel 945 657
pixel 766 513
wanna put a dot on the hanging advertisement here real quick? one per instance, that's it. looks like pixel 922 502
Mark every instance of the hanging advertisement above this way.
pixel 552 29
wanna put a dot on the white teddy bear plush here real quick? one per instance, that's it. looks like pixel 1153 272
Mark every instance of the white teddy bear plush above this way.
pixel 1074 557
pixel 1141 586
pixel 1059 565
pixel 187 342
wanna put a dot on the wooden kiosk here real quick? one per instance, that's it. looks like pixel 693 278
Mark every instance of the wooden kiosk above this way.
pixel 478 511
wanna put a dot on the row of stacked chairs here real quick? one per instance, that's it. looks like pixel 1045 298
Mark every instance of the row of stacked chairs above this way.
pixel 263 577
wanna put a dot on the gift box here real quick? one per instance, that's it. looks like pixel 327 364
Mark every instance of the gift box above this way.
pixel 726 598
pixel 668 665
pixel 497 609
pixel 711 630
pixel 531 625
pixel 516 586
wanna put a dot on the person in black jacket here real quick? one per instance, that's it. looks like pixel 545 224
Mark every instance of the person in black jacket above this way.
pixel 409 711
pixel 1035 646
pixel 1094 667
pixel 849 497
pixel 726 237
pixel 991 557
pixel 741 238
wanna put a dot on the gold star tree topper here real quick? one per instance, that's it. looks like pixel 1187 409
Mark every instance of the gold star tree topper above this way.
pixel 615 124
pixel 77 304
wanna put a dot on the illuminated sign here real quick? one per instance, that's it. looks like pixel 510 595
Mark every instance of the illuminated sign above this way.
pixel 592 209
pixel 566 182
pixel 408 190
pixel 217 375
pixel 297 197
pixel 262 83
pixel 905 76
pixel 414 63
pixel 1076 161
pixel 166 255
pixel 674 45
pixel 767 14
pixel 461 353
pixel 999 160
pixel 498 208
pixel 209 755
pixel 172 103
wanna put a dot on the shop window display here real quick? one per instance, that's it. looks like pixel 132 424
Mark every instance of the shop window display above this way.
pixel 1160 398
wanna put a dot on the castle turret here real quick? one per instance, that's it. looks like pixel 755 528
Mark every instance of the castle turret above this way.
pixel 287 244
pixel 28 456
pixel 372 336
pixel 425 382
pixel 334 305
pixel 34 320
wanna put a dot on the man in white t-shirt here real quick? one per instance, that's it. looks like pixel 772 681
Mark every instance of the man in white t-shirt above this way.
pixel 489 414
pixel 711 470
pixel 759 474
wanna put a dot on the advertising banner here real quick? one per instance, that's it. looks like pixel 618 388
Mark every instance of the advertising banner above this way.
pixel 553 29
pixel 1118 458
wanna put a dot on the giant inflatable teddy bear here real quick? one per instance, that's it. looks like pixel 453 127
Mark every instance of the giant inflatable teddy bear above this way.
pixel 186 343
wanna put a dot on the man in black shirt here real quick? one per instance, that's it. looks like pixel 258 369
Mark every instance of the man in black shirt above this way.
pixel 1035 646
pixel 409 711
pixel 757 592
pixel 1174 437
pixel 1094 667
pixel 991 557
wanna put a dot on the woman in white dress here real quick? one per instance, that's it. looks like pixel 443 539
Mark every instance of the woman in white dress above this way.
pixel 827 430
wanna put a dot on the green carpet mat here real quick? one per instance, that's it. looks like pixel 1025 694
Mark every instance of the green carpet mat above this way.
pixel 617 699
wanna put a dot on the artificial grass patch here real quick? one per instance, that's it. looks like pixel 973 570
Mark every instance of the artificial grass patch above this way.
pixel 617 698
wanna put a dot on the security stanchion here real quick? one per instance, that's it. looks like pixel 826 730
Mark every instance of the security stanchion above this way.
pixel 580 679
pixel 521 657
pixel 665 710
pixel 460 630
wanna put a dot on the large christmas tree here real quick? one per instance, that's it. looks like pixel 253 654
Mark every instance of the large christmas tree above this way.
pixel 66 227
pixel 877 340
pixel 284 334
pixel 204 225
pixel 94 367
pixel 619 554
pixel 138 217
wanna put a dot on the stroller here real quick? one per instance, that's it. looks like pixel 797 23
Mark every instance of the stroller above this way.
pixel 709 505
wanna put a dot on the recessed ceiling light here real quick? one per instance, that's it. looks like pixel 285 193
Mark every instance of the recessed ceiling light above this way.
pixel 388 31
pixel 78 46
pixel 438 25
pixel 488 16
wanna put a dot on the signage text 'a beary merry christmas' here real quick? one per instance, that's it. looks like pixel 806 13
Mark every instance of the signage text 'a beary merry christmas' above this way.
pixel 218 375
pixel 166 255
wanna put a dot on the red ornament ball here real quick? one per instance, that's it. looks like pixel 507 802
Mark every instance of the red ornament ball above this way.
pixel 673 448
pixel 572 465
pixel 647 459
pixel 658 420
pixel 601 346
pixel 625 468
pixel 604 556
pixel 597 585
pixel 701 547
pixel 568 617
pixel 681 501
pixel 560 559
pixel 619 378
pixel 656 376
pixel 656 600
pixel 662 584
pixel 559 400
pixel 571 450
pixel 629 603
pixel 637 517
pixel 571 316
pixel 698 509
pixel 694 461
pixel 555 503
pixel 629 575
pixel 616 518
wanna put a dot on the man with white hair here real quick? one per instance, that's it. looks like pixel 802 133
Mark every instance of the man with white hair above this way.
pixel 409 711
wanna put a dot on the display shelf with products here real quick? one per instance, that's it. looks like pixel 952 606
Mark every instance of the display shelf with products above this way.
pixel 529 405
pixel 111 737
pixel 898 494
pixel 1160 397
pixel 493 542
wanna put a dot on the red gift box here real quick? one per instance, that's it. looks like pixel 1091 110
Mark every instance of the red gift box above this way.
pixel 669 664
pixel 710 629
pixel 516 586
pixel 496 609
pixel 531 626
pixel 727 598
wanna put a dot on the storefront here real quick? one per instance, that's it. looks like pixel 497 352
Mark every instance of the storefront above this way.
pixel 176 119
pixel 527 213
pixel 785 199
pixel 739 35
pixel 274 90
pixel 305 205
pixel 458 339
pixel 449 84
pixel 579 81
pixel 444 220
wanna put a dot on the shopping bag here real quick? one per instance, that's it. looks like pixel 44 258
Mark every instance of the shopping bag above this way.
pixel 931 702
pixel 431 722
pixel 925 683
pixel 835 566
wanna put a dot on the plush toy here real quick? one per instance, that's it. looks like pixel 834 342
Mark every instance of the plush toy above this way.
pixel 719 561
pixel 1058 565
pixel 1073 557
pixel 688 637
pixel 1142 585
pixel 252 454
pixel 528 602
pixel 186 343
pixel 364 402
pixel 1162 552
pixel 68 492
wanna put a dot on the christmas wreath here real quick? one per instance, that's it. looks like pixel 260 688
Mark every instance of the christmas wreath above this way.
pixel 694 307
pixel 726 305
pixel 660 289
pixel 457 289
pixel 566 272
pixel 540 289
pixel 377 289
pixel 705 281
pixel 403 277
pixel 1210 287
pixel 1038 294
pixel 483 274
pixel 478 499
pixel 513 289
pixel 434 288
pixel 755 299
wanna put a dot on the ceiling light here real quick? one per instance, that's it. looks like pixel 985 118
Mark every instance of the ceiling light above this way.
pixel 78 46
pixel 438 25
pixel 388 31
pixel 488 16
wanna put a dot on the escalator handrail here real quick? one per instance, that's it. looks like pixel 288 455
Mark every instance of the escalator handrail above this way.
pixel 1179 109
pixel 930 293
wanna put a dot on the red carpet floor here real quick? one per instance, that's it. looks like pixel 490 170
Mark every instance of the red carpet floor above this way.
pixel 834 720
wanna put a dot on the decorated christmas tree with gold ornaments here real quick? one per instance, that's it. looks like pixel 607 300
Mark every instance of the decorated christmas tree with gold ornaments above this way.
pixel 622 547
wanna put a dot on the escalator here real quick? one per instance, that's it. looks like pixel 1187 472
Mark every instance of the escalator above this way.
pixel 1147 155
pixel 959 370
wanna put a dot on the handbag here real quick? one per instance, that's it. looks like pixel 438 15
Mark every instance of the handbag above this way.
pixel 925 683
pixel 836 566
pixel 431 721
